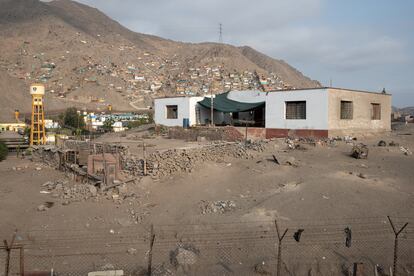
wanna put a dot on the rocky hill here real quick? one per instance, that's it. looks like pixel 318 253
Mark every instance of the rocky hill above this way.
pixel 88 60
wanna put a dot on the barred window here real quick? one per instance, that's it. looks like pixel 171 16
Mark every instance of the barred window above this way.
pixel 375 111
pixel 172 112
pixel 347 110
pixel 296 110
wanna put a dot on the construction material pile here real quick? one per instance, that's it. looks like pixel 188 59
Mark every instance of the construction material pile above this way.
pixel 161 164
pixel 69 193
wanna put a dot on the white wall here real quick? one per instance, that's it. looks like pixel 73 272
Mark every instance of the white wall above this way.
pixel 247 96
pixel 316 109
pixel 185 109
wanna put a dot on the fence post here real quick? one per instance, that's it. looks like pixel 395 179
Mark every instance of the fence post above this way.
pixel 396 233
pixel 21 251
pixel 279 248
pixel 152 239
pixel 8 250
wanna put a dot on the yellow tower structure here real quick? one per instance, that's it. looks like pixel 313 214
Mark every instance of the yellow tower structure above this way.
pixel 37 130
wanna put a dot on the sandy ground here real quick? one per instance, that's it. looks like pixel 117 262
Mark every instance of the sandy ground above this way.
pixel 325 185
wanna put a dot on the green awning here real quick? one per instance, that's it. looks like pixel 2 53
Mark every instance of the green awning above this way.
pixel 223 104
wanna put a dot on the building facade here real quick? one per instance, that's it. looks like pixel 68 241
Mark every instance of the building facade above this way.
pixel 318 112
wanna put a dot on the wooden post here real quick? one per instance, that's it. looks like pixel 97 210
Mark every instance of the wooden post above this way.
pixel 152 240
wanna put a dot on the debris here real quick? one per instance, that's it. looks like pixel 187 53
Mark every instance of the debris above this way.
pixel 298 234
pixel 38 168
pixel 45 206
pixel 221 206
pixel 132 251
pixel 359 151
pixel 361 175
pixel 325 197
pixel 263 269
pixel 382 143
pixel 275 159
pixel 291 161
pixel 42 208
pixel 393 144
pixel 406 151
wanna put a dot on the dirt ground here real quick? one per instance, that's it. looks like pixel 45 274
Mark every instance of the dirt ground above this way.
pixel 324 184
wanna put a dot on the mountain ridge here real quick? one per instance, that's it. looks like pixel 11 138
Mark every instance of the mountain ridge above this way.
pixel 89 60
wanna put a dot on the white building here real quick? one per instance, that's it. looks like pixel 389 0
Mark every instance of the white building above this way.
pixel 319 112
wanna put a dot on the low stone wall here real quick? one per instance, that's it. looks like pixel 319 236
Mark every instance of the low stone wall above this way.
pixel 230 134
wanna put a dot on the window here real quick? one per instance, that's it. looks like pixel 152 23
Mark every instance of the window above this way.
pixel 296 110
pixel 172 112
pixel 375 111
pixel 347 110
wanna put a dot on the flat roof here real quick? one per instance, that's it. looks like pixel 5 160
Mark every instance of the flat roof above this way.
pixel 284 90
pixel 329 87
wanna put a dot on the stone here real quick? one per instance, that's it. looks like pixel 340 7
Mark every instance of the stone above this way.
pixel 361 175
pixel 262 269
pixel 42 207
pixel 382 143
pixel 93 190
pixel 132 251
pixel 291 161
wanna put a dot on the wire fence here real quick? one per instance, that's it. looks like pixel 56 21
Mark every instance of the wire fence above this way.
pixel 330 247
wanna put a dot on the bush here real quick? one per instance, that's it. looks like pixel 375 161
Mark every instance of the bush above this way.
pixel 3 151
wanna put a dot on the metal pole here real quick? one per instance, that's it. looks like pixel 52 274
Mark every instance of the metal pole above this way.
pixel 396 233
pixel 279 249
pixel 21 261
pixel 211 109
pixel 152 240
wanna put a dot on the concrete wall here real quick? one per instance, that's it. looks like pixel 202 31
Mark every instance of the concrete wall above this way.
pixel 185 109
pixel 316 109
pixel 361 123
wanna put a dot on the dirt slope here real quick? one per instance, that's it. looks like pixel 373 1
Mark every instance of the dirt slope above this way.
pixel 88 60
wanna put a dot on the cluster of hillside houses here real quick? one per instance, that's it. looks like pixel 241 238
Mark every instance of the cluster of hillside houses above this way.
pixel 316 112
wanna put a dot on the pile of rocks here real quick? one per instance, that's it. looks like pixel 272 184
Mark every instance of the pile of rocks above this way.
pixel 214 207
pixel 160 164
pixel 61 189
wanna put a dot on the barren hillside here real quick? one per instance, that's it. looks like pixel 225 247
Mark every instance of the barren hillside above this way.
pixel 86 59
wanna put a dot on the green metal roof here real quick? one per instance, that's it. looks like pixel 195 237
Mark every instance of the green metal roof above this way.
pixel 223 104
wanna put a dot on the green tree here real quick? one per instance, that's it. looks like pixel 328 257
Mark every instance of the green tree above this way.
pixel 72 118
pixel 3 151
pixel 107 125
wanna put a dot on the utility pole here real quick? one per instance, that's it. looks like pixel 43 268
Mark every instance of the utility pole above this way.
pixel 211 108
pixel 220 33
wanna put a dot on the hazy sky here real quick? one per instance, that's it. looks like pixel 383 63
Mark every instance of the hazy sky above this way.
pixel 358 44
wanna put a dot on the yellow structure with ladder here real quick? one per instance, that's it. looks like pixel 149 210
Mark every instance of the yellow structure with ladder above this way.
pixel 37 130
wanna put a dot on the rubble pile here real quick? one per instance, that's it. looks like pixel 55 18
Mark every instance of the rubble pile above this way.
pixel 160 164
pixel 359 151
pixel 61 189
pixel 217 207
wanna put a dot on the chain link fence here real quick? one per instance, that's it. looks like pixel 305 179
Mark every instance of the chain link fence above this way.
pixel 331 247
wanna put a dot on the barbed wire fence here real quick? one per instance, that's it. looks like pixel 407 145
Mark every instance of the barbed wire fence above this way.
pixel 358 246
